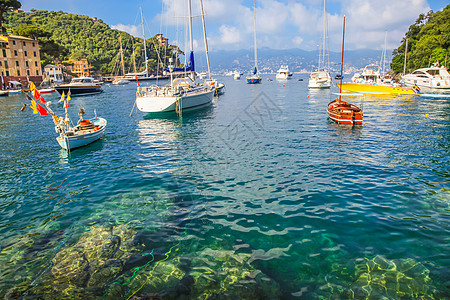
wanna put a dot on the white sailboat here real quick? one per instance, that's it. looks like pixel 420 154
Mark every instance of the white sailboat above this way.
pixel 254 78
pixel 321 77
pixel 181 93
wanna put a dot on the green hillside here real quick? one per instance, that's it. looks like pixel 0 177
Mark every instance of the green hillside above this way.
pixel 428 42
pixel 65 36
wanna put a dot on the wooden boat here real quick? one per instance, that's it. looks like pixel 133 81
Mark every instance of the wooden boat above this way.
pixel 84 133
pixel 343 112
pixel 47 90
pixel 340 111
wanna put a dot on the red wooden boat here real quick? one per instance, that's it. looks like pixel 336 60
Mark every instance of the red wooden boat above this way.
pixel 344 113
pixel 340 111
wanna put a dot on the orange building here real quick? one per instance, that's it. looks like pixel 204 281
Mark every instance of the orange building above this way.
pixel 81 67
pixel 19 60
pixel 163 42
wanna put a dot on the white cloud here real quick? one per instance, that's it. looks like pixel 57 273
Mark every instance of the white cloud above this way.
pixel 131 29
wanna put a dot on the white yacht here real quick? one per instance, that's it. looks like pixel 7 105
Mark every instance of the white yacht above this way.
pixel 236 75
pixel 80 85
pixel 370 75
pixel 434 77
pixel 321 77
pixel 283 73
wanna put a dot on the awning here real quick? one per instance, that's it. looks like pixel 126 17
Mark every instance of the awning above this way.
pixel 3 38
pixel 14 82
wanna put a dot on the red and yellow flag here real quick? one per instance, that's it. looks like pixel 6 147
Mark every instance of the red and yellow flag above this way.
pixel 33 106
pixel 42 111
pixel 32 86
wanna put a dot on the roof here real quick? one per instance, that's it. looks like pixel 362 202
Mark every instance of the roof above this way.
pixel 18 37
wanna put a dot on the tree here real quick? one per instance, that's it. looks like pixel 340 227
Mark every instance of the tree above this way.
pixel 5 6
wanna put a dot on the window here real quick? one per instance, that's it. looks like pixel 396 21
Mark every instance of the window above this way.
pixel 25 53
pixel 6 65
pixel 35 63
pixel 17 63
pixel 14 43
pixel 4 53
pixel 34 53
pixel 24 43
pixel 26 63
pixel 28 72
pixel 7 73
pixel 15 52
pixel 0 63
pixel 37 72
pixel 18 72
pixel 33 44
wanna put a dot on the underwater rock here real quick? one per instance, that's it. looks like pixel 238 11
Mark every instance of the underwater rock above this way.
pixel 85 268
pixel 221 274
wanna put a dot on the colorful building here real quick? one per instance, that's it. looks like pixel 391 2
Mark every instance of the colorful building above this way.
pixel 81 67
pixel 19 60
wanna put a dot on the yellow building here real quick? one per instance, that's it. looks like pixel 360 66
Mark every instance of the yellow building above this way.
pixel 19 60
pixel 81 67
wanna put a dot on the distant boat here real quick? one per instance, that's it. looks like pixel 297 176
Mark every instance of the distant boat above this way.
pixel 340 111
pixel 47 90
pixel 80 86
pixel 254 78
pixel 120 81
pixel 321 78
pixel 3 93
pixel 434 78
pixel 283 73
pixel 236 75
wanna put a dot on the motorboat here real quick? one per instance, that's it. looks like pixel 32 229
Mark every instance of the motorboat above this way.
pixel 283 73
pixel 48 90
pixel 236 75
pixel 4 93
pixel 80 86
pixel 371 74
pixel 434 77
pixel 120 81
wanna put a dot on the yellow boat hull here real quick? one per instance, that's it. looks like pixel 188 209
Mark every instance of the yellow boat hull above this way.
pixel 375 89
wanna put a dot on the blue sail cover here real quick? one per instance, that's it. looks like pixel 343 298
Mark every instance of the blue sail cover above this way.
pixel 190 67
pixel 254 71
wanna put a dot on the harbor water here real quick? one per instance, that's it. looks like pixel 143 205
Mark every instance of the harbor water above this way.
pixel 258 196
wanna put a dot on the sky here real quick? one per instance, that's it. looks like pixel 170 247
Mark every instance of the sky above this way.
pixel 280 24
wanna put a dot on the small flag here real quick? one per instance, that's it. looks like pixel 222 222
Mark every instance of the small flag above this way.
pixel 137 81
pixel 37 94
pixel 62 97
pixel 33 106
pixel 41 110
pixel 416 88
pixel 68 97
pixel 66 104
pixel 41 99
pixel 32 86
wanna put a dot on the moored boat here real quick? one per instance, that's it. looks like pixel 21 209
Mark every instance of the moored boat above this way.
pixel 376 89
pixel 4 93
pixel 80 86
pixel 47 90
pixel 283 73
pixel 434 78
pixel 321 79
pixel 340 111
pixel 254 78
pixel 84 133
pixel 181 93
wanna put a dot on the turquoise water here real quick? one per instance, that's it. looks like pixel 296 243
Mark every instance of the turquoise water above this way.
pixel 258 196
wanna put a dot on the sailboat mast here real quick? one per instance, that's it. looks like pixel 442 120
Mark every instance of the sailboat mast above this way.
pixel 406 51
pixel 134 57
pixel 342 59
pixel 121 55
pixel 145 46
pixel 324 36
pixel 191 41
pixel 206 40
pixel 254 27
